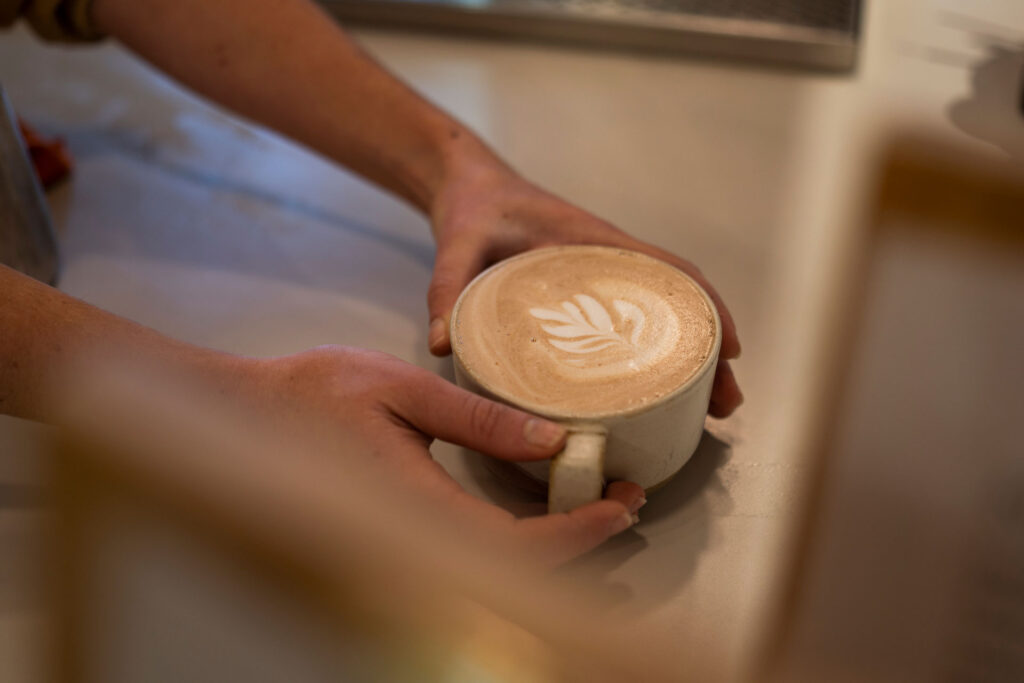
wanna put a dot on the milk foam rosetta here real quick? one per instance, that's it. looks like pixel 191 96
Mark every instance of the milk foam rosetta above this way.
pixel 583 331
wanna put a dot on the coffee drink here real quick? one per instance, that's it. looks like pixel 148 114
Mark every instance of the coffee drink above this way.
pixel 583 332
pixel 619 347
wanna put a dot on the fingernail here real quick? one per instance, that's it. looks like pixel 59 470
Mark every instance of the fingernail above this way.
pixel 437 333
pixel 637 504
pixel 635 518
pixel 542 433
pixel 622 523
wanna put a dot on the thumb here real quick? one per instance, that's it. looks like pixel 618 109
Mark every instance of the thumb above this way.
pixel 454 267
pixel 443 410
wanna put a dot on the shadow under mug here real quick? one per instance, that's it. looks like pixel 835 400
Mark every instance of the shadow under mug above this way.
pixel 646 445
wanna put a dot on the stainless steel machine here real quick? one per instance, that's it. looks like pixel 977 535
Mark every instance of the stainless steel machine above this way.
pixel 810 33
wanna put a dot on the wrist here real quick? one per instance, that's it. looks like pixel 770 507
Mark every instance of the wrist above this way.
pixel 237 377
pixel 464 161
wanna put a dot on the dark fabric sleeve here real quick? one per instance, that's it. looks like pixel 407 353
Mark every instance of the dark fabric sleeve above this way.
pixel 60 20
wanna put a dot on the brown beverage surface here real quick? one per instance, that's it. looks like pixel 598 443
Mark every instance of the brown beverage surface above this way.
pixel 583 331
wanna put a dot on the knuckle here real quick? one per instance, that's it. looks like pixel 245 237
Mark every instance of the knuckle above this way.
pixel 485 417
pixel 403 381
pixel 577 536
pixel 442 287
pixel 577 530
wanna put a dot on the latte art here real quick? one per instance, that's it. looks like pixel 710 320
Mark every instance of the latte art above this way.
pixel 583 331
pixel 595 334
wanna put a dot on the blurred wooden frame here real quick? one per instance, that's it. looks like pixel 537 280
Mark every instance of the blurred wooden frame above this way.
pixel 456 598
pixel 83 488
pixel 926 184
pixel 87 480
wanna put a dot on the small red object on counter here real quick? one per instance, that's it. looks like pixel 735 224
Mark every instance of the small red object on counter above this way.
pixel 50 158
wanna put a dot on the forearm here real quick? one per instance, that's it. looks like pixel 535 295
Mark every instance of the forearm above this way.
pixel 43 331
pixel 287 65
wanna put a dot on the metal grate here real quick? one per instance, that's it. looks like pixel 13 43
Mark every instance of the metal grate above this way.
pixel 836 15
pixel 821 33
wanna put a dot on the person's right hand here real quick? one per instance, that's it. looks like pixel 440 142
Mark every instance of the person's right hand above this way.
pixel 398 409
pixel 483 216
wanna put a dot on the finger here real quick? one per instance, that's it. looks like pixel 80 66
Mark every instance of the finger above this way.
pixel 726 396
pixel 454 267
pixel 560 537
pixel 549 539
pixel 445 411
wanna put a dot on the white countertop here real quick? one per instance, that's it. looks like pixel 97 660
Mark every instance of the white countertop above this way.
pixel 213 232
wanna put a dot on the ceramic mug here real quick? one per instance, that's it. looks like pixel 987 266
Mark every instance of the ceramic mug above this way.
pixel 646 445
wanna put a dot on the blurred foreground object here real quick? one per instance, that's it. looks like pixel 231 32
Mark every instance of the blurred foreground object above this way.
pixel 194 543
pixel 815 33
pixel 27 241
pixel 909 564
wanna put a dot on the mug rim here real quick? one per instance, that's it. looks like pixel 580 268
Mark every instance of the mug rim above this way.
pixel 693 380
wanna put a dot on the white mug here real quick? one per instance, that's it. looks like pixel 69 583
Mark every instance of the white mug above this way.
pixel 645 445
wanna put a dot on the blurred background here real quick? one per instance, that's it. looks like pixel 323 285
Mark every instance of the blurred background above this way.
pixel 847 174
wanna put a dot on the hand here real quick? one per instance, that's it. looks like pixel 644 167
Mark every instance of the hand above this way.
pixel 490 214
pixel 397 409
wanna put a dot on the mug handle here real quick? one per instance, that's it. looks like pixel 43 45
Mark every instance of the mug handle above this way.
pixel 577 473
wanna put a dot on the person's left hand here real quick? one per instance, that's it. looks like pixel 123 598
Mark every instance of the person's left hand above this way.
pixel 382 414
pixel 493 214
